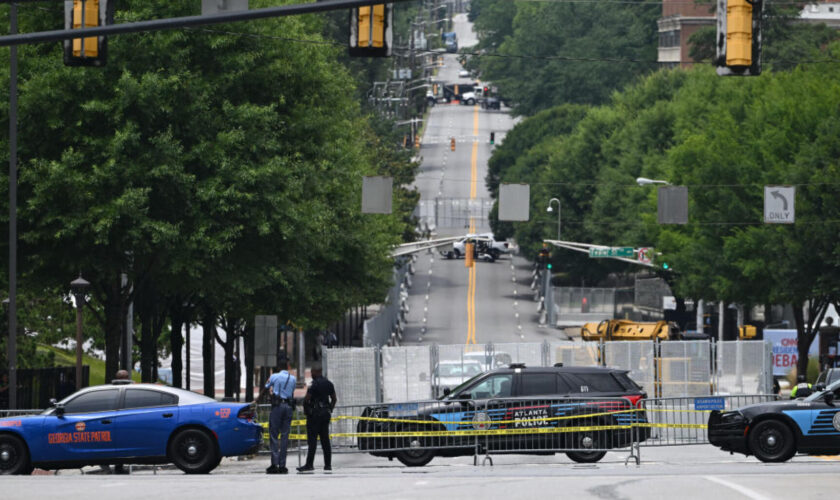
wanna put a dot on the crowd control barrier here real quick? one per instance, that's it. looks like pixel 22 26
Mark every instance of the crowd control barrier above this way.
pixel 583 428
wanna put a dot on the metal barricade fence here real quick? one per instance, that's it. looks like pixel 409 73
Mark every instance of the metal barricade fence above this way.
pixel 682 421
pixel 406 373
pixel 636 357
pixel 574 353
pixel 684 368
pixel 583 428
pixel 744 367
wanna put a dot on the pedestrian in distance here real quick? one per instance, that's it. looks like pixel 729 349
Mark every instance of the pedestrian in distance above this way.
pixel 318 406
pixel 281 386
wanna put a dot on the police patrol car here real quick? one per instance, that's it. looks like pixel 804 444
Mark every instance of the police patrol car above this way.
pixel 510 401
pixel 129 424
pixel 777 430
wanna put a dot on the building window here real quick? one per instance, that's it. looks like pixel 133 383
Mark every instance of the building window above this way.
pixel 669 38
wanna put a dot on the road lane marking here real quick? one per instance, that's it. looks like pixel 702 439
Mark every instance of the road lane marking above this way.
pixel 737 487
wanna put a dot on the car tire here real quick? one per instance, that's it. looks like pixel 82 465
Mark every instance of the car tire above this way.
pixel 450 255
pixel 470 102
pixel 16 461
pixel 772 441
pixel 457 253
pixel 586 457
pixel 193 451
pixel 415 458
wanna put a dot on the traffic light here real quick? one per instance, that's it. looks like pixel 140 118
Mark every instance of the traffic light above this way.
pixel 492 137
pixel 739 37
pixel 370 31
pixel 486 91
pixel 81 14
pixel 665 266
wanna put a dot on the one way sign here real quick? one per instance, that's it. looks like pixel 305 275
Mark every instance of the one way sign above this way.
pixel 779 204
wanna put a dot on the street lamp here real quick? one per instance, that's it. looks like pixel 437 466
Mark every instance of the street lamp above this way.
pixel 644 181
pixel 549 209
pixel 79 286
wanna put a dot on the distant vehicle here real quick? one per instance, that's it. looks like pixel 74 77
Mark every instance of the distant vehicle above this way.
pixel 775 431
pixel 450 41
pixel 452 373
pixel 544 397
pixel 491 103
pixel 490 362
pixel 129 424
pixel 464 73
pixel 485 242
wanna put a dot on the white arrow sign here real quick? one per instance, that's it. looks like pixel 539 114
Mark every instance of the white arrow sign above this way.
pixel 779 204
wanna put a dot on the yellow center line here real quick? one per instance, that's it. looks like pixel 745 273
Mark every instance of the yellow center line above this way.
pixel 472 270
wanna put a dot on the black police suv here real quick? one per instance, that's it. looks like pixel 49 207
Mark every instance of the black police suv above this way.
pixel 525 410
pixel 775 431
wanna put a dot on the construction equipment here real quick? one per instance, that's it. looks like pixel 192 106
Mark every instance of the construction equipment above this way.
pixel 622 329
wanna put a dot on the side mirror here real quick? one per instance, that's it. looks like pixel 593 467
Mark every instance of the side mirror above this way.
pixel 819 387
pixel 59 409
pixel 53 402
pixel 829 398
pixel 447 391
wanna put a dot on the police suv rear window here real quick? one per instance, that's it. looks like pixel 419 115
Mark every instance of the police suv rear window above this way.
pixel 595 382
pixel 628 383
pixel 539 384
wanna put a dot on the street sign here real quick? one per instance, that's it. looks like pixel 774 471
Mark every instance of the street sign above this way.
pixel 265 340
pixel 779 204
pixel 377 194
pixel 672 205
pixel 514 202
pixel 607 252
pixel 645 255
pixel 706 404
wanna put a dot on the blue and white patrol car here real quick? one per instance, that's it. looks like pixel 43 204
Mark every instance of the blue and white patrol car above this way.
pixel 777 430
pixel 129 424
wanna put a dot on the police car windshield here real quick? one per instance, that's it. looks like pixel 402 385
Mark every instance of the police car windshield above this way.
pixel 833 387
pixel 461 387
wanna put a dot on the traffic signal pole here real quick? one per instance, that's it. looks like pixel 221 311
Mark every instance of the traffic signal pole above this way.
pixel 185 21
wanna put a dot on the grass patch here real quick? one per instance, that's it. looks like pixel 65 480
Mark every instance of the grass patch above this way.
pixel 68 358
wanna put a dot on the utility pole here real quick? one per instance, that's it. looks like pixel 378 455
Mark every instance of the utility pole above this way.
pixel 12 345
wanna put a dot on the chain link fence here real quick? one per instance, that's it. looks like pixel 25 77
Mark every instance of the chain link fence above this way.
pixel 636 357
pixel 684 368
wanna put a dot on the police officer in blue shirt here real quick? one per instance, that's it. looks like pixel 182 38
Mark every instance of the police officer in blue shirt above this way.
pixel 282 388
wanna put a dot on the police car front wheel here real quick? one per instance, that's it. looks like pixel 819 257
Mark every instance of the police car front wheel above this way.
pixel 193 451
pixel 415 458
pixel 14 457
pixel 772 441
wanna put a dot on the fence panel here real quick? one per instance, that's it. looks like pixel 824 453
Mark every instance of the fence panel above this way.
pixel 638 357
pixel 744 367
pixel 455 364
pixel 406 373
pixel 682 421
pixel 684 368
pixel 574 353
pixel 530 353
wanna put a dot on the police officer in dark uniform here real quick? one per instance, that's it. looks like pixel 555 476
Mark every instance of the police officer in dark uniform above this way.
pixel 319 403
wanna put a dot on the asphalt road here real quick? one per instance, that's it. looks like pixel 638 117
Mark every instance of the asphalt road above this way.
pixel 685 473
pixel 444 308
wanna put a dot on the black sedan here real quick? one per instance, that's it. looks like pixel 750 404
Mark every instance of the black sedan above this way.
pixel 777 430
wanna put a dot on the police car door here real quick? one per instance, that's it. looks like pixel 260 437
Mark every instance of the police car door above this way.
pixel 147 419
pixel 86 429
pixel 490 405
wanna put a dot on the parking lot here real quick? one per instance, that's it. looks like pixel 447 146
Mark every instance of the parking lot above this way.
pixel 686 472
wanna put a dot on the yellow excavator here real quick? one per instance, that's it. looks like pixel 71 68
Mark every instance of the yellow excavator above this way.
pixel 624 329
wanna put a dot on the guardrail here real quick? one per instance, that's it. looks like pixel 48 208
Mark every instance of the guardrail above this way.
pixel 583 428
